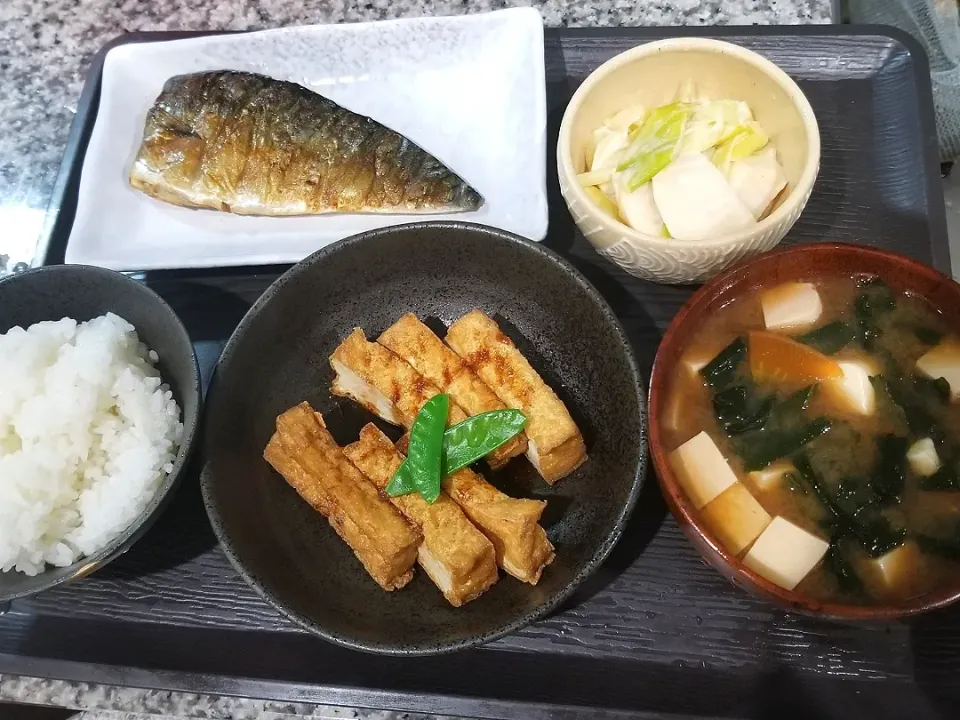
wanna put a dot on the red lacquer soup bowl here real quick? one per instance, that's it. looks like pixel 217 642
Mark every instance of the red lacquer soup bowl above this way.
pixel 797 263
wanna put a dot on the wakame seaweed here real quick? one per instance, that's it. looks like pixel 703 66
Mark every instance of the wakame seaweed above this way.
pixel 914 397
pixel 802 463
pixel 938 389
pixel 854 494
pixel 944 479
pixel 874 300
pixel 877 535
pixel 946 547
pixel 942 386
pixel 740 409
pixel 927 336
pixel 786 431
pixel 842 569
pixel 765 446
pixel 868 525
pixel 793 482
pixel 790 410
pixel 876 295
pixel 890 472
pixel 722 370
pixel 830 338
pixel 903 394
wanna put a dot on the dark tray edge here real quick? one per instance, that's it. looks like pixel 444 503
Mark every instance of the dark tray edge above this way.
pixel 455 705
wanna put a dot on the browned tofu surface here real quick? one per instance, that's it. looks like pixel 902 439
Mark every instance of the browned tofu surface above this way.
pixel 523 549
pixel 309 460
pixel 554 443
pixel 512 525
pixel 413 341
pixel 382 382
pixel 459 559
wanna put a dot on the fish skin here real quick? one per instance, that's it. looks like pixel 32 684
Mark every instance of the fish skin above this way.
pixel 248 144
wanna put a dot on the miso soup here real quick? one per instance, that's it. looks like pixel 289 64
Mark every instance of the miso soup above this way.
pixel 816 427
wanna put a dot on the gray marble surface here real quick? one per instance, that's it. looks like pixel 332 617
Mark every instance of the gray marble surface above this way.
pixel 45 48
pixel 104 702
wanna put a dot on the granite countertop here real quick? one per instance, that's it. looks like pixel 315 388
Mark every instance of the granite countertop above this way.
pixel 45 48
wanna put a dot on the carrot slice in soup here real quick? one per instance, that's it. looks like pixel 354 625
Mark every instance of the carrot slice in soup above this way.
pixel 777 358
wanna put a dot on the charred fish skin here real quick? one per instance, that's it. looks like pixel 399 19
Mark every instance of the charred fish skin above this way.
pixel 248 144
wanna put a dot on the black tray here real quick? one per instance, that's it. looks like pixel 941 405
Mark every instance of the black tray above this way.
pixel 655 632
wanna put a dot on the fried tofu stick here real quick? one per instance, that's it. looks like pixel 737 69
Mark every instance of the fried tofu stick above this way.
pixel 382 382
pixel 458 558
pixel 512 525
pixel 554 443
pixel 307 457
pixel 413 341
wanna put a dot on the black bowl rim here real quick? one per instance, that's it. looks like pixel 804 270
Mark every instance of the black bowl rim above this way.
pixel 601 553
pixel 125 540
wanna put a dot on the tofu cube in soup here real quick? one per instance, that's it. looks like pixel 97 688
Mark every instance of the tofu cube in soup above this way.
pixel 735 517
pixel 943 361
pixel 697 359
pixel 791 306
pixel 853 392
pixel 897 572
pixel 785 554
pixel 922 457
pixel 770 478
pixel 701 469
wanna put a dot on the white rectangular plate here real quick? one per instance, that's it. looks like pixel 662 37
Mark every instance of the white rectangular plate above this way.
pixel 468 89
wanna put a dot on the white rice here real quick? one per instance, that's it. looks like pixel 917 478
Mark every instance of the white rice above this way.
pixel 87 433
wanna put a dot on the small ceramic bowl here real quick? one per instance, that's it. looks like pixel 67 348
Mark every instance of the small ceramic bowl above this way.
pixel 651 74
pixel 81 292
pixel 798 263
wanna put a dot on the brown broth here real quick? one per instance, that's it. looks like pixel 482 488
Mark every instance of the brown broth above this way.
pixel 848 449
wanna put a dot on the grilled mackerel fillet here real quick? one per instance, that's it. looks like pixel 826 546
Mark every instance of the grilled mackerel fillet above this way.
pixel 249 144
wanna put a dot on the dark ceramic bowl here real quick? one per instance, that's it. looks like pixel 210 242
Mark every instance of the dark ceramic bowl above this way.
pixel 278 357
pixel 82 293
pixel 798 263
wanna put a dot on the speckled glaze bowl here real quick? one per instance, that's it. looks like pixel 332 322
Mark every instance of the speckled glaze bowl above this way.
pixel 798 263
pixel 278 357
pixel 81 292
pixel 651 74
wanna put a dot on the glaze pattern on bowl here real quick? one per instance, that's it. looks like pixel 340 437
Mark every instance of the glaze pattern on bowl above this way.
pixel 279 357
pixel 680 262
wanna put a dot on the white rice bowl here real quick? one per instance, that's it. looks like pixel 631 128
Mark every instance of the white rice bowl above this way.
pixel 87 433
